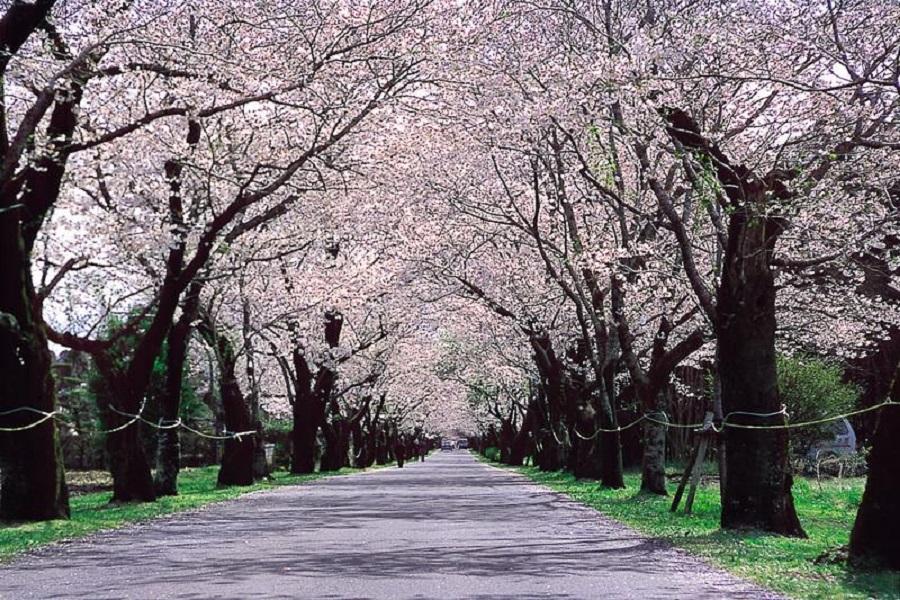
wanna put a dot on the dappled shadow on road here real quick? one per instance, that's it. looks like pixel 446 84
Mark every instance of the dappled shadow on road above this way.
pixel 447 519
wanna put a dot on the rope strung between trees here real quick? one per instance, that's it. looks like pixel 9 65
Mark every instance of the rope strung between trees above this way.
pixel 725 421
pixel 226 435
pixel 164 424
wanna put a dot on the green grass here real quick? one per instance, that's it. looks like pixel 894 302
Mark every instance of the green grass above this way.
pixel 783 564
pixel 92 512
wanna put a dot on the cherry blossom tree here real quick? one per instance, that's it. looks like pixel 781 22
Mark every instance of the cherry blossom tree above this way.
pixel 263 178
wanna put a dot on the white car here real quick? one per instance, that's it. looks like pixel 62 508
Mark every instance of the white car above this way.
pixel 841 443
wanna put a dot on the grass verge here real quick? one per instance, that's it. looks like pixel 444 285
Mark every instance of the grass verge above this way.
pixel 787 565
pixel 92 512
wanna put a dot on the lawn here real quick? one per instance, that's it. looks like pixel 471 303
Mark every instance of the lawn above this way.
pixel 92 512
pixel 784 564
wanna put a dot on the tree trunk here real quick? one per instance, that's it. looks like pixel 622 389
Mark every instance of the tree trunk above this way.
pixel 237 459
pixel 507 435
pixel 555 441
pixel 522 444
pixel 875 540
pixel 33 486
pixel 360 446
pixel 757 491
pixel 757 494
pixel 653 467
pixel 168 456
pixel 335 454
pixel 611 470
pixel 128 464
pixel 304 435
pixel 237 456
pixel 305 418
pixel 32 479
pixel 381 449
pixel 585 459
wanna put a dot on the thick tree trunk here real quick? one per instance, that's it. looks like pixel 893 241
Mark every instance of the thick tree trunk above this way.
pixel 611 469
pixel 128 464
pixel 33 486
pixel 585 459
pixel 305 418
pixel 653 466
pixel 360 446
pixel 237 456
pixel 552 454
pixel 382 453
pixel 334 456
pixel 168 460
pixel 757 493
pixel 507 435
pixel 168 454
pixel 554 437
pixel 237 459
pixel 32 480
pixel 522 445
pixel 400 452
pixel 129 467
pixel 303 437
pixel 875 540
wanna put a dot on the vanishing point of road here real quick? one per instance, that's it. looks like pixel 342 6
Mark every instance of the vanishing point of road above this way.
pixel 450 527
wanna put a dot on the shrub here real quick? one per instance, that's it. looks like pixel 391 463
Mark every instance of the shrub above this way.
pixel 492 453
pixel 812 389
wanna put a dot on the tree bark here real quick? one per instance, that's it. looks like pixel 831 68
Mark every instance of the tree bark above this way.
pixel 554 437
pixel 382 447
pixel 237 459
pixel 522 444
pixel 306 421
pixel 128 464
pixel 505 440
pixel 757 492
pixel 758 495
pixel 32 479
pixel 33 486
pixel 610 442
pixel 653 465
pixel 337 445
pixel 875 539
pixel 168 456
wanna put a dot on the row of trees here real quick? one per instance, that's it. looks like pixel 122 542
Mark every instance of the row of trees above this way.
pixel 178 171
pixel 364 210
pixel 648 187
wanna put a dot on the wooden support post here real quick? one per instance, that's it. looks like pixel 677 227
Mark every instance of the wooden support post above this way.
pixel 694 470
pixel 684 478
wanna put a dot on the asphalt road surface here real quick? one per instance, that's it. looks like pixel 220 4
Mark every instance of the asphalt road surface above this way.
pixel 450 527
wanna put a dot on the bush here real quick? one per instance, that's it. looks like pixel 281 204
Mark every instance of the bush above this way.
pixel 492 453
pixel 812 389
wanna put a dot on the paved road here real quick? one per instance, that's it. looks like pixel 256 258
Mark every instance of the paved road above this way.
pixel 447 528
